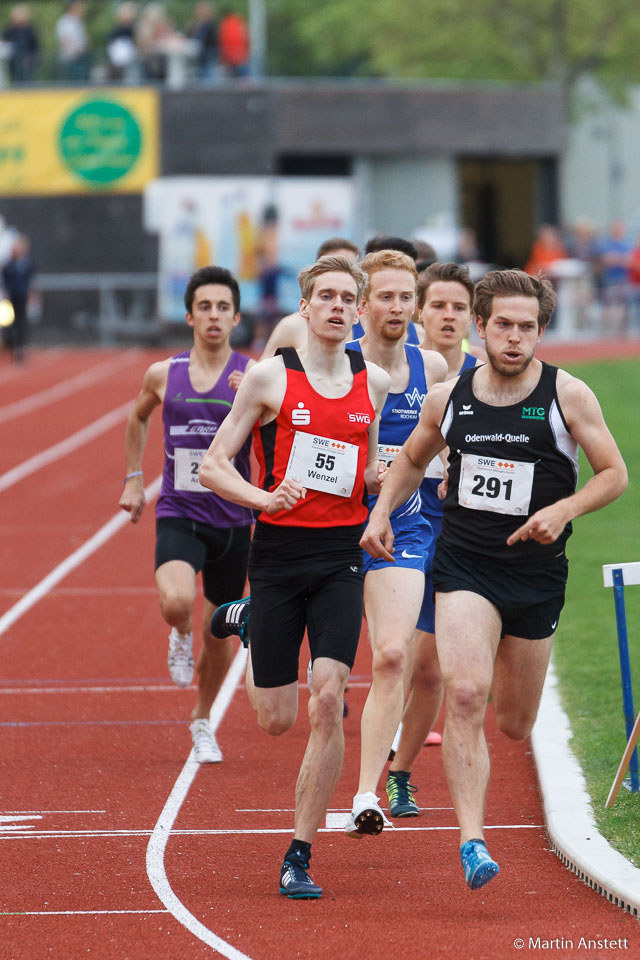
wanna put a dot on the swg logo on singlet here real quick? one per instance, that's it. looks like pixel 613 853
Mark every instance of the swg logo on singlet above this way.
pixel 415 398
pixel 533 413
pixel 301 417
pixel 359 418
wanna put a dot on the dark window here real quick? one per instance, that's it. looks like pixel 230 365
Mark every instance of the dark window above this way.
pixel 313 165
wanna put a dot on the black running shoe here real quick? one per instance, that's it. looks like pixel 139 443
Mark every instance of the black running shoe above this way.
pixel 232 619
pixel 296 883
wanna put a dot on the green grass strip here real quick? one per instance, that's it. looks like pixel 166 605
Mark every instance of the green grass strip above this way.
pixel 586 648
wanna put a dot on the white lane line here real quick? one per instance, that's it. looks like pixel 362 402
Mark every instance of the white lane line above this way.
pixel 32 813
pixel 293 809
pixel 19 816
pixel 85 379
pixel 68 913
pixel 71 562
pixel 162 830
pixel 88 591
pixel 250 832
pixel 64 447
pixel 133 688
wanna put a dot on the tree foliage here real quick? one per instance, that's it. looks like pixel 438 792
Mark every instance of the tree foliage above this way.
pixel 505 40
pixel 516 41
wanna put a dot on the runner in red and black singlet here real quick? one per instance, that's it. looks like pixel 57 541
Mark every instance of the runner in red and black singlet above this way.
pixel 314 417
pixel 513 426
pixel 305 411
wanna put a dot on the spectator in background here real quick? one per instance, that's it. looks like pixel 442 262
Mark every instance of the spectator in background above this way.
pixel 205 32
pixel 546 249
pixel 468 254
pixel 233 39
pixel 615 256
pixel 122 52
pixel 634 285
pixel 17 274
pixel 156 36
pixel 23 40
pixel 73 43
pixel 582 243
pixel 426 254
pixel 8 236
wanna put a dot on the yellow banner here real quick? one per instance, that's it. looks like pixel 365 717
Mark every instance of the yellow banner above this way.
pixel 81 141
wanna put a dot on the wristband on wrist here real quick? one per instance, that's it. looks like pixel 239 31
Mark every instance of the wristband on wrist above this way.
pixel 130 476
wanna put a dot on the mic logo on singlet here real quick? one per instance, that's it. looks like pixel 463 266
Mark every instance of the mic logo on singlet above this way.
pixel 301 417
pixel 533 413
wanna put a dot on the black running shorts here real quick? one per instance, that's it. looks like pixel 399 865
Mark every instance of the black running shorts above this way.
pixel 529 598
pixel 303 578
pixel 220 552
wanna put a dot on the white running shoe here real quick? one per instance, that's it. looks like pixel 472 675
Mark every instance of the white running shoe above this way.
pixel 205 745
pixel 366 817
pixel 310 675
pixel 180 658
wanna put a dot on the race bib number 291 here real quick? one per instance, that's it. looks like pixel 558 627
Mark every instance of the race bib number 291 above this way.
pixel 499 486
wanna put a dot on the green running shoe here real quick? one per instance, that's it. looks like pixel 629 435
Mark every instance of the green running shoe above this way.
pixel 400 793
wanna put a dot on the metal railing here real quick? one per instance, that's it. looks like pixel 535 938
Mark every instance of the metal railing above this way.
pixel 116 305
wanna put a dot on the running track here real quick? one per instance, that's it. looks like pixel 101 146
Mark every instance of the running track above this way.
pixel 113 844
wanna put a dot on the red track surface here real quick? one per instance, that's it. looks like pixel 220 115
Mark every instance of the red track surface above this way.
pixel 95 737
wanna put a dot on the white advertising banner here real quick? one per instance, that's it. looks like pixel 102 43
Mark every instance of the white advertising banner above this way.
pixel 263 229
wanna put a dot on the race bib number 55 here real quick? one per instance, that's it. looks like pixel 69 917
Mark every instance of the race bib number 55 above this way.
pixel 320 463
pixel 500 486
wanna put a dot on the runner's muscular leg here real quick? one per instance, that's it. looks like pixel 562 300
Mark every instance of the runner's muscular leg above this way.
pixel 423 704
pixel 518 679
pixel 467 633
pixel 322 762
pixel 176 581
pixel 276 707
pixel 214 660
pixel 392 599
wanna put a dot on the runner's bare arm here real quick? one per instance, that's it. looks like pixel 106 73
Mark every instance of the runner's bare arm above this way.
pixel 586 424
pixel 291 331
pixel 406 472
pixel 259 397
pixel 137 431
pixel 435 367
pixel 378 381
pixel 235 377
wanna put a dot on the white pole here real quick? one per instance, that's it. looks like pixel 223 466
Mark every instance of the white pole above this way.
pixel 258 36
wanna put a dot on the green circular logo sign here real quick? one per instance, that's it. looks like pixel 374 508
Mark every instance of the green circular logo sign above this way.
pixel 100 141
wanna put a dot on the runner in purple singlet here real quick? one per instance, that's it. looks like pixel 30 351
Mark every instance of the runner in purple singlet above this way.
pixel 196 530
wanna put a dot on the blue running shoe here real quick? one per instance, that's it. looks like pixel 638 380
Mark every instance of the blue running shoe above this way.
pixel 296 883
pixel 232 619
pixel 478 866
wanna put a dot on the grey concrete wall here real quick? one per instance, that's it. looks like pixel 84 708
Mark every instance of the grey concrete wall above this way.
pixel 410 192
